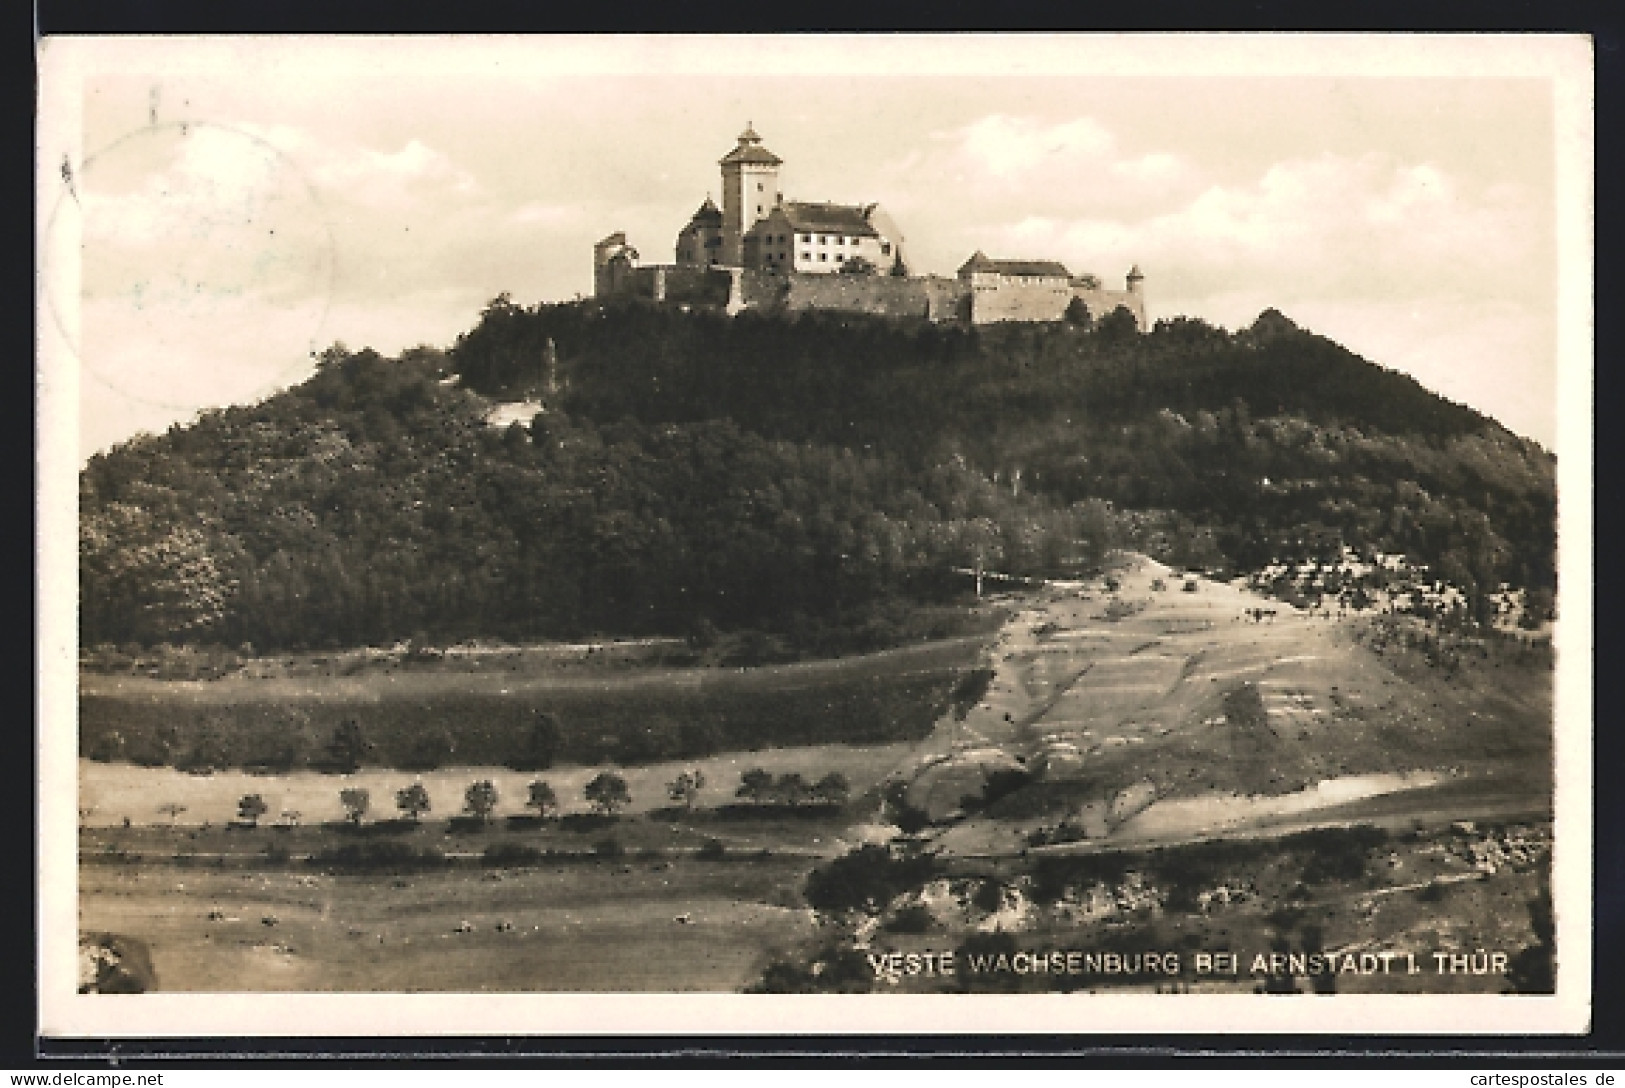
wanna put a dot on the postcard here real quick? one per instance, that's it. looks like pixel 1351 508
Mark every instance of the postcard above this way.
pixel 817 534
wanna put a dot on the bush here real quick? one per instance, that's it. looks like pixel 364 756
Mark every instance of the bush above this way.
pixel 504 854
pixel 586 821
pixel 866 879
pixel 914 918
pixel 1335 853
pixel 394 857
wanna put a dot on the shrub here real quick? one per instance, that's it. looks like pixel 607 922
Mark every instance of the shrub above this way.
pixel 586 821
pixel 378 857
pixel 914 918
pixel 251 807
pixel 503 854
pixel 1336 853
pixel 866 879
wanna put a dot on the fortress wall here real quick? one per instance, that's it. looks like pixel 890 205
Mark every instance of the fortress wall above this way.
pixel 696 286
pixel 932 297
pixel 1017 300
pixel 762 290
pixel 676 284
pixel 1102 302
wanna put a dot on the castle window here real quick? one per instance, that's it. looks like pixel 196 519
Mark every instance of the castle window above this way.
pixel 885 249
pixel 758 186
pixel 823 256
pixel 823 240
pixel 806 237
pixel 806 256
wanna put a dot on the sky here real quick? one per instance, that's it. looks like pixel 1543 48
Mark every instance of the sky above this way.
pixel 219 210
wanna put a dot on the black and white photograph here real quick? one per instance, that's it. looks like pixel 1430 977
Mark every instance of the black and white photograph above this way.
pixel 993 532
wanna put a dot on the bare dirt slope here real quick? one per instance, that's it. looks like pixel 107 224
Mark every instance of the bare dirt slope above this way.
pixel 1150 686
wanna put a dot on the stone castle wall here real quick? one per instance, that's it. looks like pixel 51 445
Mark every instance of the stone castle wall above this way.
pixel 1016 299
pixel 679 285
pixel 934 298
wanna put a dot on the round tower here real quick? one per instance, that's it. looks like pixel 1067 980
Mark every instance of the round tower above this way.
pixel 750 190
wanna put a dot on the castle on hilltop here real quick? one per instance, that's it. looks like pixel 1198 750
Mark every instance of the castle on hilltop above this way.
pixel 762 251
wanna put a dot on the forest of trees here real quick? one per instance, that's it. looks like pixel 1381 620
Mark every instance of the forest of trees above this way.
pixel 780 474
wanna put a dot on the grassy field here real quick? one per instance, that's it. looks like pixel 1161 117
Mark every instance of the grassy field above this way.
pixel 1138 716
pixel 591 925
pixel 482 717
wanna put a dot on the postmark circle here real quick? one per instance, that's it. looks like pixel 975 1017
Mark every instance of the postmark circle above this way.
pixel 207 266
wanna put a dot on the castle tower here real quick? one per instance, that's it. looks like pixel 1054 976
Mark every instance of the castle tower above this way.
pixel 612 257
pixel 1135 279
pixel 750 190
pixel 700 243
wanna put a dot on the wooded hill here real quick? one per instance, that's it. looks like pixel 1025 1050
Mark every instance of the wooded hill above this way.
pixel 817 476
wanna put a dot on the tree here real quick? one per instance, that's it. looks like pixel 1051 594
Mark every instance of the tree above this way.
pixel 832 789
pixel 755 785
pixel 480 799
pixel 413 800
pixel 355 802
pixel 685 787
pixel 251 808
pixel 607 792
pixel 542 798
pixel 148 576
pixel 1077 313
pixel 790 789
pixel 1118 327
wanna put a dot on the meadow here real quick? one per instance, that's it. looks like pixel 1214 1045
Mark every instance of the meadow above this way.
pixel 423 716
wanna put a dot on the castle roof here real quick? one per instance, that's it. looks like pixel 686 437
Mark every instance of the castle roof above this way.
pixel 832 218
pixel 708 215
pixel 750 150
pixel 981 262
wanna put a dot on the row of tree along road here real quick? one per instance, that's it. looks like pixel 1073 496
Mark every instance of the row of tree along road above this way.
pixel 607 793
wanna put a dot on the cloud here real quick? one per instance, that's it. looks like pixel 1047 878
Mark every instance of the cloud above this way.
pixel 1017 146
